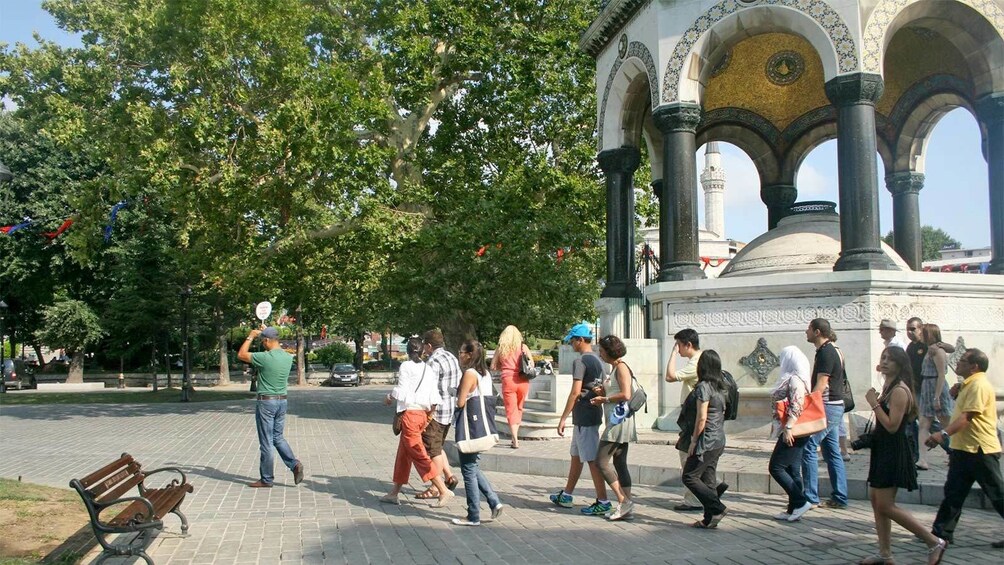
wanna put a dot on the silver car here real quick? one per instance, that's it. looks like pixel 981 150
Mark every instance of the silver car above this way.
pixel 17 375
pixel 343 374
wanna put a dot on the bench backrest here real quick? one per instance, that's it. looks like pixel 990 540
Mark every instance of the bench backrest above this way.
pixel 111 481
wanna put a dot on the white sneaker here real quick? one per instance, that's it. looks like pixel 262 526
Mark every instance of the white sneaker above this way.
pixel 623 509
pixel 497 511
pixel 797 513
pixel 464 522
pixel 782 516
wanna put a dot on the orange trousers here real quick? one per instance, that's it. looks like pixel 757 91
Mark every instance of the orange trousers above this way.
pixel 410 449
pixel 514 393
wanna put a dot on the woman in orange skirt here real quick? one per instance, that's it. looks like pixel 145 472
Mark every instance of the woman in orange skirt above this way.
pixel 514 387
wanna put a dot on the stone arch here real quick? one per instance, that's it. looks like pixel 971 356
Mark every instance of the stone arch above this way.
pixel 744 129
pixel 630 77
pixel 917 113
pixel 814 20
pixel 975 27
pixel 812 136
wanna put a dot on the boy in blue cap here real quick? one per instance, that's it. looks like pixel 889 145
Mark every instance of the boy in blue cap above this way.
pixel 587 373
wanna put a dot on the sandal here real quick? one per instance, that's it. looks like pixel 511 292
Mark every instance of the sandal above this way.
pixel 939 550
pixel 427 494
pixel 717 518
pixel 702 525
pixel 877 560
pixel 451 484
pixel 442 502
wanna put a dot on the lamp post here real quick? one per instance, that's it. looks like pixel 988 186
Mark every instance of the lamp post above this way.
pixel 5 174
pixel 186 378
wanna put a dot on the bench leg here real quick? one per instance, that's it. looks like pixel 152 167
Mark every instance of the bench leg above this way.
pixel 184 519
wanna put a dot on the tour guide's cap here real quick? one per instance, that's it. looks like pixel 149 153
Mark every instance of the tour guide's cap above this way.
pixel 888 324
pixel 578 330
pixel 270 333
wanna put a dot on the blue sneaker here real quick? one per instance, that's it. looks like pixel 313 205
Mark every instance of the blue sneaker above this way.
pixel 562 499
pixel 597 509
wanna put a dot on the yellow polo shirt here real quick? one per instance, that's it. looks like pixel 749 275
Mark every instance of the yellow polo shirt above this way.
pixel 977 395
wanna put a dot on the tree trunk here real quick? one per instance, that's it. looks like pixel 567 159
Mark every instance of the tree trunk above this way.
pixel 38 354
pixel 224 360
pixel 153 363
pixel 457 330
pixel 358 339
pixel 301 358
pixel 76 374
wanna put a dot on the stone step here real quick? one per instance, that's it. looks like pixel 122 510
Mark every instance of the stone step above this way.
pixel 543 395
pixel 527 429
pixel 537 405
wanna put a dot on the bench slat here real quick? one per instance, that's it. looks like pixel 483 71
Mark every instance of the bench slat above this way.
pixel 121 488
pixel 108 469
pixel 163 501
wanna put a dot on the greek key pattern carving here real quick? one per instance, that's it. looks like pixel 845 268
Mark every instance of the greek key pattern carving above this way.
pixel 637 50
pixel 886 12
pixel 827 18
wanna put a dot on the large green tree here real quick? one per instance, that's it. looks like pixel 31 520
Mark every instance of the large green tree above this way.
pixel 932 241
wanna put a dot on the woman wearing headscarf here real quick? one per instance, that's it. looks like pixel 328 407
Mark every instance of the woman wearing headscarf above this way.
pixel 785 464
pixel 514 387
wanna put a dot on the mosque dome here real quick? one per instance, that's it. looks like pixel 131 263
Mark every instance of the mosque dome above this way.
pixel 805 241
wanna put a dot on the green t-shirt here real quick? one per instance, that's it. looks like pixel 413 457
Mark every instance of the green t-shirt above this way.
pixel 273 370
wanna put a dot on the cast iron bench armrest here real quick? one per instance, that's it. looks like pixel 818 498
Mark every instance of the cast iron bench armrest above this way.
pixel 174 482
pixel 150 519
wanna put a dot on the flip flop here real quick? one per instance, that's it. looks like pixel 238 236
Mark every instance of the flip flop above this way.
pixel 451 484
pixel 427 494
pixel 702 525
pixel 717 518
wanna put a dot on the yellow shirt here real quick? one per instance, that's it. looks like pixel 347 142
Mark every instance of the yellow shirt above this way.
pixel 688 376
pixel 977 395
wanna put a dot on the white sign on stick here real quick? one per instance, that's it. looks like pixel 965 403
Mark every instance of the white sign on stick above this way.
pixel 263 310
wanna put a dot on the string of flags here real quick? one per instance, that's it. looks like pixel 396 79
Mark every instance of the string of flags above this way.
pixel 52 235
pixel 559 253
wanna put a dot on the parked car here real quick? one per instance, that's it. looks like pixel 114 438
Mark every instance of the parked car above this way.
pixel 343 374
pixel 17 375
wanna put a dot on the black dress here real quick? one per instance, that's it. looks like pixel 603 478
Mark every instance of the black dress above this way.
pixel 891 464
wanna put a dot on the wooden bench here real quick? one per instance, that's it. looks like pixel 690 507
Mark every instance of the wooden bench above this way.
pixel 104 489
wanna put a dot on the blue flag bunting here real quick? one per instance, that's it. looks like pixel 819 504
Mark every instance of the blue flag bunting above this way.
pixel 111 221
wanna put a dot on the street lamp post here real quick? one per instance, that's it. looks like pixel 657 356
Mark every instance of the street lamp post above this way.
pixel 186 378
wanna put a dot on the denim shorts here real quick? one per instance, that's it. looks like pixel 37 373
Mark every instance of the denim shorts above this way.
pixel 585 442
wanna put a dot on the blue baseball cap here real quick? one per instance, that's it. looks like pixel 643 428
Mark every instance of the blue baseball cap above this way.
pixel 579 330
pixel 270 333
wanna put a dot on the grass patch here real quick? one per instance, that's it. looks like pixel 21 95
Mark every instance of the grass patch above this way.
pixel 114 396
pixel 36 520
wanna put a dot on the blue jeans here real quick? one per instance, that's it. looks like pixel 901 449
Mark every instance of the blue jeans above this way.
pixel 476 484
pixel 830 441
pixel 270 418
pixel 785 466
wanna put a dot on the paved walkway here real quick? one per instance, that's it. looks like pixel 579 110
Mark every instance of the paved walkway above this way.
pixel 343 437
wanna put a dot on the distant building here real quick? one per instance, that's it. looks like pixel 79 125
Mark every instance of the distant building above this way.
pixel 975 261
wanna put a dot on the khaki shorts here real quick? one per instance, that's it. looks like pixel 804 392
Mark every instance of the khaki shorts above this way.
pixel 434 436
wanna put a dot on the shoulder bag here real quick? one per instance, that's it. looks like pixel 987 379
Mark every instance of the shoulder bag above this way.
pixel 813 418
pixel 848 394
pixel 396 424
pixel 475 424
pixel 527 370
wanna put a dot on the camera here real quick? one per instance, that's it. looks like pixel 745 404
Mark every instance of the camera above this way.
pixel 864 441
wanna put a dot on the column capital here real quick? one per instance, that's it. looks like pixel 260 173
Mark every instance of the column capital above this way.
pixel 621 160
pixel 680 117
pixel 904 182
pixel 990 108
pixel 856 88
pixel 778 195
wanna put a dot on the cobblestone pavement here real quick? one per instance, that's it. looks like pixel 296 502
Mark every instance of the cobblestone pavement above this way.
pixel 343 438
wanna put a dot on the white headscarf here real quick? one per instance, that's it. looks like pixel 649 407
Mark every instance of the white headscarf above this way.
pixel 794 365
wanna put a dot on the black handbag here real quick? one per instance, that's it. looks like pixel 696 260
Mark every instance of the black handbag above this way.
pixel 865 438
pixel 526 367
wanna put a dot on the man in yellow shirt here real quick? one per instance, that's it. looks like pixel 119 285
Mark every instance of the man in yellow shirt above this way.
pixel 976 450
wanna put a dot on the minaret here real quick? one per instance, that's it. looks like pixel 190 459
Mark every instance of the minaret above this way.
pixel 713 182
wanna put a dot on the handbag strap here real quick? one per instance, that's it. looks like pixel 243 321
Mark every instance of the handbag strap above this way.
pixel 424 367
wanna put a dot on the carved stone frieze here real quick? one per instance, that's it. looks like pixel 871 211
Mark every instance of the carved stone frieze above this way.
pixel 761 361
pixel 960 350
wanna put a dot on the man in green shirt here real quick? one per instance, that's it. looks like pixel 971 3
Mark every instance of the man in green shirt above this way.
pixel 273 366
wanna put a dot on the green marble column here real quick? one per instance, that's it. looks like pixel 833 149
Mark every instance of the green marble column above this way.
pixel 679 254
pixel 618 166
pixel 854 96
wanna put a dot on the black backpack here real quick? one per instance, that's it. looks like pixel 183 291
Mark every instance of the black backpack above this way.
pixel 732 404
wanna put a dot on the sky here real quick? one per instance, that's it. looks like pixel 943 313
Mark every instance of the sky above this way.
pixel 955 196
